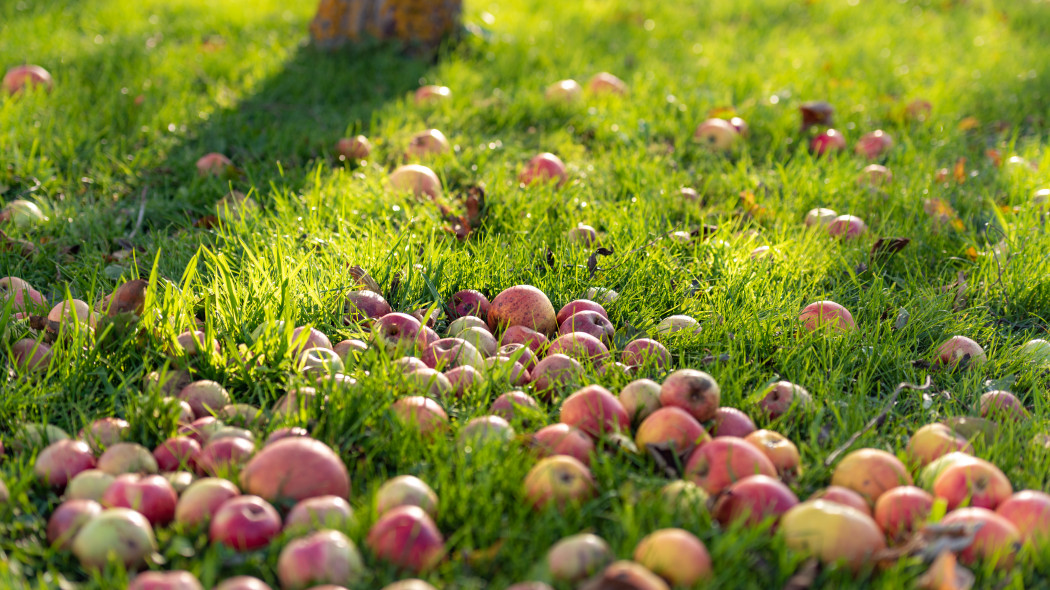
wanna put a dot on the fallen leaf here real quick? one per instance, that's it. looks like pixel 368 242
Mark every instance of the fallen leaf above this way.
pixel 364 279
pixel 817 112
pixel 592 261
pixel 945 573
pixel 902 319
pixel 968 123
pixel 667 459
pixel 805 576
pixel 887 246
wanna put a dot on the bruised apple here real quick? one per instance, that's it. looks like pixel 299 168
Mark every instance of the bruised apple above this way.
pixel 694 391
pixel 577 557
pixel 559 480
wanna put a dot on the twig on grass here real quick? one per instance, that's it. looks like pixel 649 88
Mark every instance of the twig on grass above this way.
pixel 142 213
pixel 877 419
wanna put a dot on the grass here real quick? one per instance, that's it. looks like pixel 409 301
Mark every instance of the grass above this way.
pixel 239 78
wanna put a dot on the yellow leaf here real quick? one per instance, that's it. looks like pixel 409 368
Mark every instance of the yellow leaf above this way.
pixel 968 123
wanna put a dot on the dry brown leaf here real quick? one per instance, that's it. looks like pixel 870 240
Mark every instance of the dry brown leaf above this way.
pixel 945 573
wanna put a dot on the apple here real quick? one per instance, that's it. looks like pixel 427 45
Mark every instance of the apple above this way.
pixel 242 583
pixel 1029 511
pixel 485 429
pixel 563 91
pixel 170 383
pixel 1002 404
pixel 416 179
pixel 514 404
pixel 753 499
pixel 452 352
pixel 522 305
pixel 961 351
pixel 716 135
pixel 127 458
pixel 901 511
pixel 595 324
pixel 406 537
pixel 431 142
pixel 422 413
pixel 200 429
pixel 918 109
pixel 929 474
pixel 672 427
pixel 685 495
pixel 583 234
pixel 562 439
pixel 520 353
pixel 286 432
pixel 362 306
pixel 820 217
pixel 675 555
pixel 875 175
pixel 816 112
pixel 468 302
pixel 503 368
pixel 120 534
pixel 244 523
pixel 202 498
pixel 25 76
pixel 430 381
pixel 411 584
pixel 407 364
pixel 732 422
pixel 627 574
pixel 104 432
pixel 296 469
pixel 396 333
pixel 576 558
pixel 464 322
pixel 555 371
pixel 350 350
pixel 827 142
pixel 205 397
pixel 874 144
pixel 689 194
pixel 319 363
pixel 825 315
pixel 432 94
pixel 723 460
pixel 462 379
pixel 694 391
pixel 995 541
pixel 482 339
pixel 191 342
pixel 782 396
pixel 536 343
pixel 581 346
pixel 242 414
pixel 935 440
pixel 606 83
pixel 578 305
pixel 353 148
pixel 67 520
pixel 171 580
pixel 595 411
pixel 406 490
pixel 678 323
pixel 70 315
pixel 60 461
pixel 221 454
pixel 213 164
pixel 296 403
pixel 30 356
pixel 559 480
pixel 847 227
pixel 179 480
pixel 152 496
pixel 844 496
pixel 1037 350
pixel 89 484
pixel 34 435
pixel 22 295
pixel 870 473
pixel 972 483
pixel 832 533
pixel 319 512
pixel 544 168
pixel 640 398
pixel 323 557
pixel 779 449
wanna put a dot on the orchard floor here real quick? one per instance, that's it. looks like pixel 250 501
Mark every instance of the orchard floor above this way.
pixel 144 88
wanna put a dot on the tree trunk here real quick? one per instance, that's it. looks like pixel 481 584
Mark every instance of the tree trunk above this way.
pixel 418 23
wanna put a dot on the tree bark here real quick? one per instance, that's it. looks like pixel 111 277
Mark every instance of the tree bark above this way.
pixel 418 23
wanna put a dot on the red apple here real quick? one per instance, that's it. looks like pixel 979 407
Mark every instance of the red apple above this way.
pixel 151 495
pixel 431 142
pixel 406 490
pixel 411 584
pixel 200 429
pixel 577 306
pixel 606 83
pixel 752 500
pixel 60 461
pixel 847 227
pixel 422 413
pixel 242 583
pixel 820 217
pixel 627 574
pixel 213 164
pixel 319 512
pixel 67 520
pixel 675 555
pixel 694 391
pixel 646 351
pixel 870 473
pixel 583 234
pixel 564 91
pixel 844 496
pixel 468 302
pixel 362 306
pixel 485 429
pixel 117 534
pixel 416 179
pixel 716 135
pixel 514 404
pixel 283 433
pixel 827 142
pixel 432 94
pixel 826 314
pixel 723 460
pixel 544 168
pixel 874 144
pixel 171 580
pixel 562 439
pixel 1029 511
pixel 452 352
pixel 672 427
pixel 875 175
pixel 576 558
pixel 323 557
pixel 1002 404
pixel 104 432
pixel 961 350
pixel 901 511
pixel 244 523
pixel 354 148
pixel 220 455
pixel 832 533
pixel 520 353
pixel 732 422
pixel 204 496
pixel 935 440
pixel 580 346
pixel 463 379
pixel 972 483
pixel 640 398
pixel 407 538
pixel 782 396
pixel 559 480
pixel 522 305
pixel 556 370
pixel 595 411
pixel 21 77
pixel 296 469
pixel 206 398
pixel 396 332
pixel 536 343
pixel 995 541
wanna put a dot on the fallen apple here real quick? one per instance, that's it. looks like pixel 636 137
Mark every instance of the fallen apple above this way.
pixel 296 469
pixel 468 302
pixel 213 164
pixel 673 428
pixel 583 234
pixel 563 91
pixel 416 179
pixel 901 511
pixel 820 217
pixel 67 520
pixel 676 555
pixel 678 323
pixel 960 351
pixel 61 461
pixel 823 315
pixel 752 500
pixel 827 142
pixel 870 473
pixel 779 450
pixel 89 484
pixel 432 94
pixel 694 391
pixel 606 83
pixel 732 422
pixel 170 580
pixel 244 523
pixel 935 440
pixel 1029 511
pixel 995 539
pixel 151 496
pixel 406 490
pixel 576 558
pixel 645 352
pixel 120 534
pixel 562 439
pixel 1002 405
pixel 556 371
pixel 874 144
pixel 202 499
pixel 832 533
pixel 558 480
pixel 354 148
pixel 723 460
pixel 431 142
pixel 627 574
pixel 716 135
pixel 19 78
pixel 977 483
pixel 595 411
pixel 781 397
pixel 544 168
pixel 407 538
pixel 322 557
pixel 844 496
pixel 640 398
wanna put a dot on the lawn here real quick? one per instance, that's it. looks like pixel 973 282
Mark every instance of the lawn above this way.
pixel 143 89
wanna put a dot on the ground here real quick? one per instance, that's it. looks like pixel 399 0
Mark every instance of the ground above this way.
pixel 143 89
